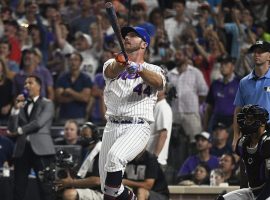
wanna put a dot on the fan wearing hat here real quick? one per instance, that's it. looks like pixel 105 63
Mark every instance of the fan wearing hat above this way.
pixel 130 95
pixel 220 97
pixel 220 140
pixel 203 145
pixel 255 87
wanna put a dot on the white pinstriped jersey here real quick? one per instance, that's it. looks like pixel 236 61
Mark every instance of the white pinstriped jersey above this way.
pixel 128 95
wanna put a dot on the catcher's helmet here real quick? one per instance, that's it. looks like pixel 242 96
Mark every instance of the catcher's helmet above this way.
pixel 251 117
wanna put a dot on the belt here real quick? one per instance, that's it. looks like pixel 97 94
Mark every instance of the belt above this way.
pixel 125 120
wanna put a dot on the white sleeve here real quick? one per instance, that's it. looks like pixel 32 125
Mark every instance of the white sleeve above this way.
pixel 106 64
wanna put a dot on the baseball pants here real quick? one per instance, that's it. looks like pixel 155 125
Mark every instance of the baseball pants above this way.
pixel 121 143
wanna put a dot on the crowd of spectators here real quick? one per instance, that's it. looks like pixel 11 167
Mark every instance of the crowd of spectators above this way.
pixel 203 44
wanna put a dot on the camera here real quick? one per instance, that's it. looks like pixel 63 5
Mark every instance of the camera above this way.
pixel 64 162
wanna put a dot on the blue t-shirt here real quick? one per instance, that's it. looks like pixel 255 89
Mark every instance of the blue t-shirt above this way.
pixel 74 109
pixel 191 163
pixel 219 152
pixel 96 115
pixel 221 96
pixel 253 90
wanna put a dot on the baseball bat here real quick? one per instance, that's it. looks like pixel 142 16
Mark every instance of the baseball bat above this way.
pixel 116 28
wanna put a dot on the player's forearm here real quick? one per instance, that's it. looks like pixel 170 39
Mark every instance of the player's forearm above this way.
pixel 114 69
pixel 152 78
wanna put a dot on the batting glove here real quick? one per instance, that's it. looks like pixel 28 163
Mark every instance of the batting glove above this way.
pixel 120 58
pixel 133 68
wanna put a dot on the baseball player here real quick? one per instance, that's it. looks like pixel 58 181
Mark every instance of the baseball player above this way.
pixel 254 149
pixel 130 95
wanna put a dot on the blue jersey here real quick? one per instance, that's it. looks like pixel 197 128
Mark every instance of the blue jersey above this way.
pixel 253 90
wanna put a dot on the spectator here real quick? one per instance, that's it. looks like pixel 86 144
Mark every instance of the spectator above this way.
pixel 24 38
pixel 61 32
pixel 208 54
pixel 5 50
pixel 191 90
pixel 6 150
pixel 146 178
pixel 139 17
pixel 31 123
pixel 234 29
pixel 203 145
pixel 96 32
pixel 6 91
pixel 70 11
pixel 261 32
pixel 40 38
pixel 6 13
pixel 217 178
pixel 86 186
pixel 31 9
pixel 220 140
pixel 156 18
pixel 178 23
pixel 162 53
pixel 96 107
pixel 227 164
pixel 158 143
pixel 200 176
pixel 11 29
pixel 83 43
pixel 73 90
pixel 221 95
pixel 71 134
pixel 30 65
pixel 82 22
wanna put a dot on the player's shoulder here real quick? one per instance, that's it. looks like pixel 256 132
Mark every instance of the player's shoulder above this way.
pixel 265 145
pixel 266 138
pixel 240 144
pixel 109 61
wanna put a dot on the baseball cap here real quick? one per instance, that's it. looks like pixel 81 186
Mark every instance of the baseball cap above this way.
pixel 203 134
pixel 265 46
pixel 226 59
pixel 35 51
pixel 85 36
pixel 219 125
pixel 141 32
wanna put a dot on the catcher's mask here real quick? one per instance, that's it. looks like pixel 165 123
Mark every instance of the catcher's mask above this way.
pixel 251 117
